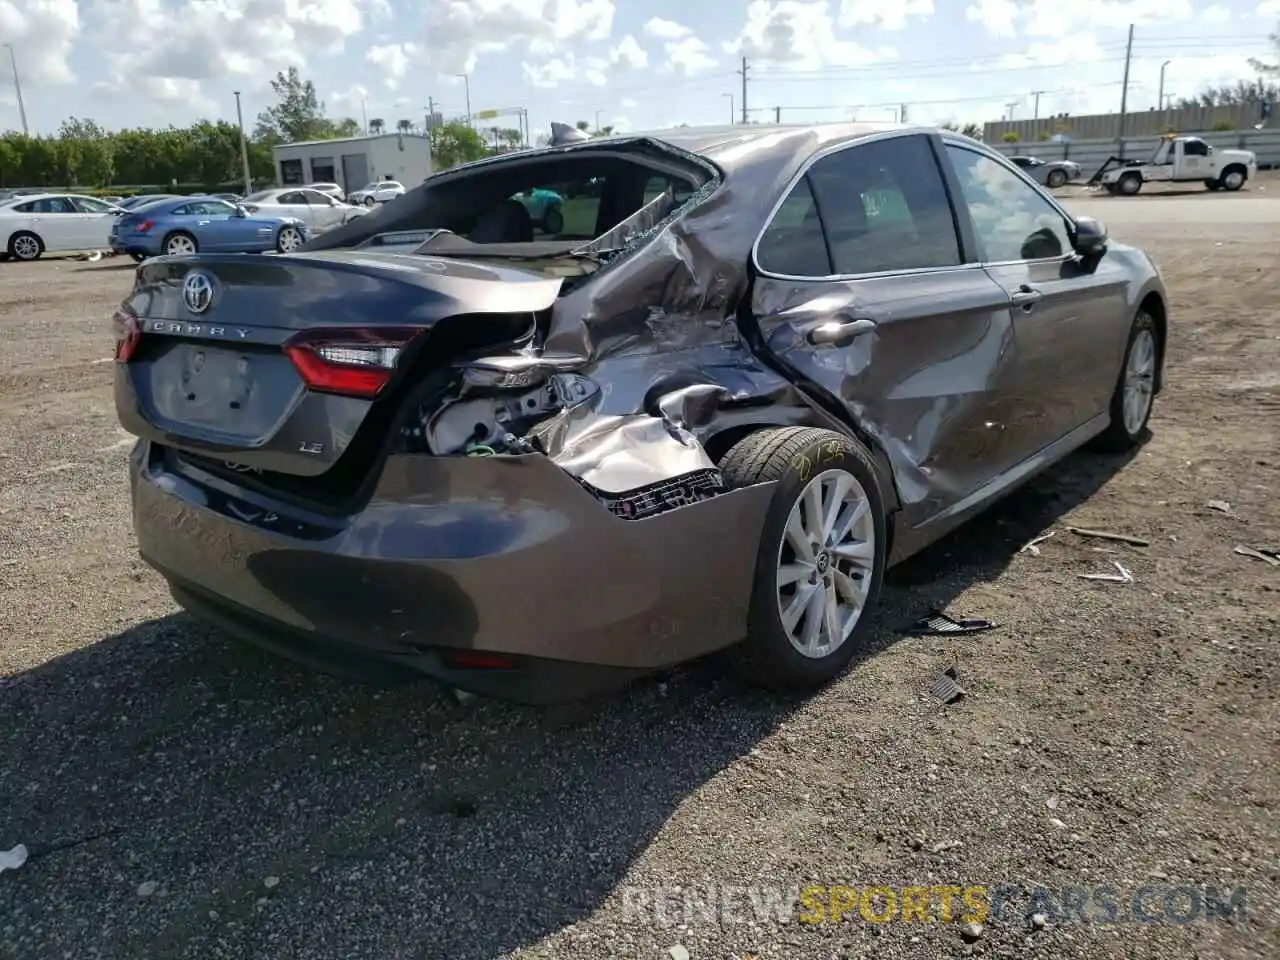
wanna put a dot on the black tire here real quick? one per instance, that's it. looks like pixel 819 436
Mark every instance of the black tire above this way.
pixel 195 244
pixel 793 457
pixel 1212 185
pixel 1129 184
pixel 138 257
pixel 1110 188
pixel 369 201
pixel 1056 179
pixel 1233 178
pixel 1117 437
pixel 553 221
pixel 22 247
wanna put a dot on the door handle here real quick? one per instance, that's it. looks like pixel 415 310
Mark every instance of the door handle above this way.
pixel 839 332
pixel 1026 297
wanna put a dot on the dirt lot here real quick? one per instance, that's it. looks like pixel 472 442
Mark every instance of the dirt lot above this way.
pixel 183 796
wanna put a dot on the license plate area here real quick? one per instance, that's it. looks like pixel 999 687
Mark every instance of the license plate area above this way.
pixel 242 393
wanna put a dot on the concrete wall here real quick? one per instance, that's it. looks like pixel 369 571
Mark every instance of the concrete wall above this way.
pixel 1090 154
pixel 1106 126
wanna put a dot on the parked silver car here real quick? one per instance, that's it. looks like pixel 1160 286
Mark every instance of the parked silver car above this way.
pixel 1051 173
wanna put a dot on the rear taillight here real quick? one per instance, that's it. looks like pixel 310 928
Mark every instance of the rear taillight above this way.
pixel 127 333
pixel 144 226
pixel 353 363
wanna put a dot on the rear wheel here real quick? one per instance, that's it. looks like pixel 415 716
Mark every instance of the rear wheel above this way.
pixel 369 201
pixel 821 557
pixel 1212 185
pixel 180 245
pixel 25 245
pixel 288 240
pixel 1129 184
pixel 1056 178
pixel 1131 402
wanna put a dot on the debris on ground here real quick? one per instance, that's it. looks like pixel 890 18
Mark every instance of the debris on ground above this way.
pixel 971 932
pixel 1122 574
pixel 1269 555
pixel 938 623
pixel 1033 546
pixel 1222 507
pixel 147 888
pixel 1039 920
pixel 678 952
pixel 1108 535
pixel 13 859
pixel 944 687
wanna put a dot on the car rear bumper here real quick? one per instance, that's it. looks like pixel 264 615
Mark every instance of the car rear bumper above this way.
pixel 501 555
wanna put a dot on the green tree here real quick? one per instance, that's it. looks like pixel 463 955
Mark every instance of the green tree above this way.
pixel 298 114
pixel 88 151
pixel 455 143
pixel 971 130
pixel 1265 68
pixel 1232 94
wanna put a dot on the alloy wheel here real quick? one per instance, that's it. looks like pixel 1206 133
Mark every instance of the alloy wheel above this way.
pixel 825 563
pixel 1139 379
pixel 26 248
pixel 179 246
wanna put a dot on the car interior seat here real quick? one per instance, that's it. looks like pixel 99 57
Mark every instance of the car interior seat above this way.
pixel 508 222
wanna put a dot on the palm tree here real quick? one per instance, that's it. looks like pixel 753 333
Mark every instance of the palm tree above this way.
pixel 377 126
pixel 404 126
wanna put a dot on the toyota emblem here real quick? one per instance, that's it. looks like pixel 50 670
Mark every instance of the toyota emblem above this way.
pixel 197 291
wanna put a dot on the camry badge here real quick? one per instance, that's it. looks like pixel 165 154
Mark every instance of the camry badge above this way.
pixel 197 291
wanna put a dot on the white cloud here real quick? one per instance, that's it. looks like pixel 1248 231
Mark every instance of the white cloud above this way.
pixel 393 60
pixel 550 74
pixel 666 29
pixel 798 34
pixel 1051 18
pixel 629 54
pixel 1076 48
pixel 628 103
pixel 176 53
pixel 1269 9
pixel 882 14
pixel 1216 13
pixel 42 33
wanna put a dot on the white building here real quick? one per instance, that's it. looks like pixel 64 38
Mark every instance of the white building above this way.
pixel 353 162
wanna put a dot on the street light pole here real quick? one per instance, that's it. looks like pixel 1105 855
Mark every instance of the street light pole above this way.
pixel 244 147
pixel 1160 101
pixel 17 89
pixel 732 115
pixel 466 87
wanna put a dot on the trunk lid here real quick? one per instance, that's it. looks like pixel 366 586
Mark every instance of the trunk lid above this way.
pixel 273 364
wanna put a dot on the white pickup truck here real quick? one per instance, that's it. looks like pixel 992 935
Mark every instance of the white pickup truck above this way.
pixel 1179 160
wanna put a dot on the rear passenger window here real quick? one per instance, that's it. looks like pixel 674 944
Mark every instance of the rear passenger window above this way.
pixel 793 244
pixel 884 208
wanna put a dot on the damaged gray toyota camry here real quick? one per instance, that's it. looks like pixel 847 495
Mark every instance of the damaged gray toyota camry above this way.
pixel 750 368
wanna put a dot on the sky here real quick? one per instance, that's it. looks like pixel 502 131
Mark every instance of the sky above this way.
pixel 640 64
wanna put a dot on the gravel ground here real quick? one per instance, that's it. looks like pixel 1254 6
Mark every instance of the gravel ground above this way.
pixel 184 796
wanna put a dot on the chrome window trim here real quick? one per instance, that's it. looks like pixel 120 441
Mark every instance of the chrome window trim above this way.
pixel 822 154
pixel 982 150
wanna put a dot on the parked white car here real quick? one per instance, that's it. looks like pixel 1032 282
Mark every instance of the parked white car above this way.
pixel 380 191
pixel 317 210
pixel 54 223
pixel 330 189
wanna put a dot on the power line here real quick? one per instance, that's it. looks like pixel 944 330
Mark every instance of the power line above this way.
pixel 987 98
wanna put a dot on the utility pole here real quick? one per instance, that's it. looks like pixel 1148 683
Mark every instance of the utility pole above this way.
pixel 1011 107
pixel 1160 102
pixel 431 112
pixel 743 71
pixel 17 89
pixel 597 121
pixel 777 114
pixel 1035 110
pixel 1124 90
pixel 466 87
pixel 902 113
pixel 244 148
pixel 732 116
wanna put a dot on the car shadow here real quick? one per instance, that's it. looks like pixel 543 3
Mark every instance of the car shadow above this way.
pixel 170 755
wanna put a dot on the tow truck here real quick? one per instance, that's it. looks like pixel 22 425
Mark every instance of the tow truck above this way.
pixel 1178 159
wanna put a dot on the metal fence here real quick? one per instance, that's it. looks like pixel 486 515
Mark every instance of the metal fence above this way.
pixel 1137 123
pixel 1091 154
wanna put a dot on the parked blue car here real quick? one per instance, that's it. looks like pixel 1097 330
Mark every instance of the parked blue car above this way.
pixel 205 225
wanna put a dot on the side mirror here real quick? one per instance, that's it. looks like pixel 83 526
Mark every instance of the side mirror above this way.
pixel 240 212
pixel 1090 236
